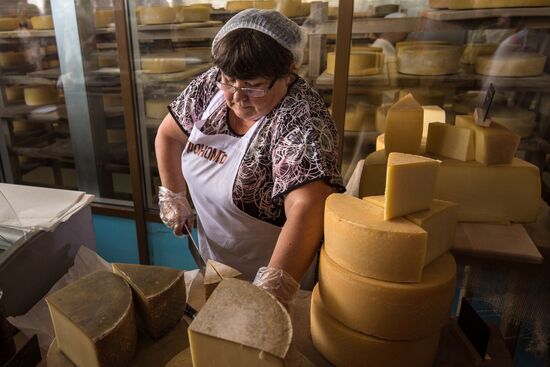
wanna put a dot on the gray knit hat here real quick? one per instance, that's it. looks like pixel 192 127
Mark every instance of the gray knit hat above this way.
pixel 283 30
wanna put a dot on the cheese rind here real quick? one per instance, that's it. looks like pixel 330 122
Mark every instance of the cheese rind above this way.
pixel 359 239
pixel 42 22
pixel 40 95
pixel 439 222
pixel 480 4
pixel 423 43
pixel 451 141
pixel 373 177
pixel 493 145
pixel 343 346
pixel 215 272
pixel 159 295
pixel 511 65
pixel 404 124
pixel 429 60
pixel 240 324
pixel 94 320
pixel 387 310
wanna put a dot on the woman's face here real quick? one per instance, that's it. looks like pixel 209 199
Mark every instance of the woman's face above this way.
pixel 251 108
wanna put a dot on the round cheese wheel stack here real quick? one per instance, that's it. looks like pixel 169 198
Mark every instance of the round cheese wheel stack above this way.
pixel 516 119
pixel 151 15
pixel 402 44
pixel 473 50
pixel 343 346
pixel 465 103
pixel 238 5
pixel 157 108
pixel 42 22
pixel 104 18
pixel 516 64
pixel 9 23
pixel 163 63
pixel 12 59
pixel 360 63
pixel 193 13
pixel 429 60
pixel 480 4
pixel 40 95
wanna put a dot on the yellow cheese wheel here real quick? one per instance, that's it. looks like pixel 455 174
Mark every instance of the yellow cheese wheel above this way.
pixel 429 60
pixel 359 239
pixel 473 50
pixel 193 13
pixel 157 15
pixel 40 95
pixel 42 22
pixel 104 18
pixel 13 93
pixel 515 119
pixel 238 5
pixel 387 310
pixel 360 63
pixel 479 4
pixel 439 4
pixel 157 108
pixel 346 347
pixel 265 4
pixel 402 44
pixel 306 9
pixel 291 8
pixel 12 59
pixel 513 65
pixel 8 23
pixel 163 63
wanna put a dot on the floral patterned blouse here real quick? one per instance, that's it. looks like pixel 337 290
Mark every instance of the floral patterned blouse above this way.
pixel 295 145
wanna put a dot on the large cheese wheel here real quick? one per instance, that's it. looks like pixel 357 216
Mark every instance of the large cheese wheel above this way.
pixel 516 119
pixel 514 65
pixel 40 95
pixel 479 4
pixel 387 310
pixel 359 239
pixel 238 5
pixel 104 18
pixel 9 23
pixel 94 320
pixel 403 44
pixel 346 347
pixel 157 108
pixel 360 63
pixel 473 50
pixel 42 22
pixel 193 13
pixel 429 60
pixel 439 4
pixel 12 59
pixel 157 15
pixel 163 63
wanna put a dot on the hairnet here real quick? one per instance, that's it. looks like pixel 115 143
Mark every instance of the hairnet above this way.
pixel 270 22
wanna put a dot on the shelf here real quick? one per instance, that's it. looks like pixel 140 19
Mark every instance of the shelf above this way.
pixel 182 31
pixel 27 33
pixel 148 78
pixel 455 15
pixel 29 113
pixel 46 73
pixel 26 80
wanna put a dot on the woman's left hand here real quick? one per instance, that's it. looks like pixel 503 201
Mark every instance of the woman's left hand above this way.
pixel 279 283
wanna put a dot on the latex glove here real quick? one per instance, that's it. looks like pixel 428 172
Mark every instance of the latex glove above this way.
pixel 279 283
pixel 175 210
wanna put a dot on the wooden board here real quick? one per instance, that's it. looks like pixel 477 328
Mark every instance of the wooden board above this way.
pixel 450 15
pixel 499 241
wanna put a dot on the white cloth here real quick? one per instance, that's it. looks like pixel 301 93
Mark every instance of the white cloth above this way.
pixel 210 164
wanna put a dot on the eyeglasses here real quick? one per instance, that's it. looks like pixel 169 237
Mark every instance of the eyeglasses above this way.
pixel 249 92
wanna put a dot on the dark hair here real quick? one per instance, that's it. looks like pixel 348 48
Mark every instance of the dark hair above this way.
pixel 247 54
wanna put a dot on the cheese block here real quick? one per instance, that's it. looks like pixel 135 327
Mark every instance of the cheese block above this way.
pixel 8 23
pixel 439 4
pixel 439 221
pixel 499 193
pixel 429 60
pixel 359 239
pixel 516 64
pixel 515 119
pixel 159 295
pixel 432 114
pixel 193 13
pixel 265 4
pixel 12 59
pixel 451 141
pixel 479 4
pixel 388 310
pixel 104 18
pixel 466 103
pixel 42 22
pixel 410 183
pixel 425 96
pixel 493 145
pixel 240 325
pixel 473 50
pixel 404 124
pixel 216 272
pixel 157 108
pixel 163 63
pixel 345 347
pixel 157 15
pixel 290 8
pixel 403 44
pixel 94 321
pixel 40 95
pixel 238 5
pixel 361 63
pixel 13 93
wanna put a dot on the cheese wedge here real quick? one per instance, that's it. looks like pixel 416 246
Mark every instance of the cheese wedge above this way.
pixel 94 321
pixel 163 63
pixel 42 22
pixel 493 145
pixel 157 108
pixel 359 239
pixel 439 221
pixel 361 63
pixel 159 294
pixel 104 18
pixel 404 124
pixel 9 23
pixel 40 95
pixel 511 65
pixel 451 141
pixel 479 4
pixel 388 310
pixel 216 272
pixel 429 60
pixel 373 177
pixel 344 347
pixel 240 325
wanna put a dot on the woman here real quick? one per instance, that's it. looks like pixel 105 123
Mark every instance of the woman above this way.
pixel 258 154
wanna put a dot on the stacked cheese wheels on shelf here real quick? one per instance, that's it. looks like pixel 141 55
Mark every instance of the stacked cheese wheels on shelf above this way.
pixel 386 278
pixel 428 59
pixel 361 63
pixel 475 162
pixel 158 15
pixel 486 4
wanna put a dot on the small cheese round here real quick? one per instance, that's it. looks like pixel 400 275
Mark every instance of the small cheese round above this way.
pixel 42 22
pixel 9 23
pixel 163 63
pixel 516 64
pixel 12 59
pixel 360 63
pixel 40 95
pixel 150 15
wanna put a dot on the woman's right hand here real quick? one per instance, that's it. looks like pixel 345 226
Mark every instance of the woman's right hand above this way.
pixel 175 211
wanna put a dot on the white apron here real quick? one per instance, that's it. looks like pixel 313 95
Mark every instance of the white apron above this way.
pixel 227 234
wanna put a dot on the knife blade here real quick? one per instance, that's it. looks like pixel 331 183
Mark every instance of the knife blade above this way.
pixel 194 249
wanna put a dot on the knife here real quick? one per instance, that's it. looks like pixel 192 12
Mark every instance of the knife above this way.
pixel 194 249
